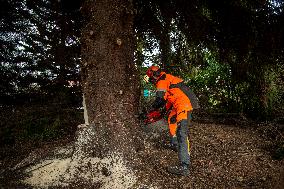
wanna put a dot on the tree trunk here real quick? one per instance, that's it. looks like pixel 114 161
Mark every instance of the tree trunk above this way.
pixel 165 45
pixel 105 148
pixel 110 81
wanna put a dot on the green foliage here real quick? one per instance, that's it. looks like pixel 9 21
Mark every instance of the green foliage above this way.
pixel 275 93
pixel 144 84
pixel 213 84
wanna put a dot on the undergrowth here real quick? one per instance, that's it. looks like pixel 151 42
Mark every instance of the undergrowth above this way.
pixel 37 123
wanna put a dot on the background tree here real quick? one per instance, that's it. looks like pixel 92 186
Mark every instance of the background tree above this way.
pixel 239 34
pixel 36 79
pixel 44 45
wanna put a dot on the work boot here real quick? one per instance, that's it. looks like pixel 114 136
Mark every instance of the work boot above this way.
pixel 182 170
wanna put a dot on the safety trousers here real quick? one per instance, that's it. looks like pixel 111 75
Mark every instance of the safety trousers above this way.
pixel 184 146
pixel 172 122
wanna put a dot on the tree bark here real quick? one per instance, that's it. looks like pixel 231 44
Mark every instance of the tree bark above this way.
pixel 165 46
pixel 110 83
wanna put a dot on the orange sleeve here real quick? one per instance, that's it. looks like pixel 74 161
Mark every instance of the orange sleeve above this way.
pixel 162 85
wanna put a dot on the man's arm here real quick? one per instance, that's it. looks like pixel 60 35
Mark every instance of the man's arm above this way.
pixel 160 100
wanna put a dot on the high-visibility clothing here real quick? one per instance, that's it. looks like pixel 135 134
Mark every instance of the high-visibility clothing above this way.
pixel 180 103
pixel 184 146
pixel 175 92
pixel 172 122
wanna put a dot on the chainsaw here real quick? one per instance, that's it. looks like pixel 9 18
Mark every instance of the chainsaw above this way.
pixel 153 116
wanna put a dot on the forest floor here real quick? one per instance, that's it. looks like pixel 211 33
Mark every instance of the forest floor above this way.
pixel 238 155
pixel 222 156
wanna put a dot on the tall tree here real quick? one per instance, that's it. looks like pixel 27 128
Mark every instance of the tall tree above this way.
pixel 40 50
pixel 110 85
pixel 155 18
pixel 110 81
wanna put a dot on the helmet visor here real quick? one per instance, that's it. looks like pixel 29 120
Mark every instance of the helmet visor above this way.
pixel 146 78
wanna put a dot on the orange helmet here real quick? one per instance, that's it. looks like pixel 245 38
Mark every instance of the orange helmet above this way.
pixel 153 71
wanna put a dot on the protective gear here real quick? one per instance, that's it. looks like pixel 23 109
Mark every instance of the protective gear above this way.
pixel 159 102
pixel 180 103
pixel 183 142
pixel 172 122
pixel 186 90
pixel 174 143
pixel 146 78
pixel 179 170
pixel 174 93
pixel 153 72
pixel 153 116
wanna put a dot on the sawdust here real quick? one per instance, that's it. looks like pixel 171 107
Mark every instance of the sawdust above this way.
pixel 109 172
pixel 47 173
pixel 79 167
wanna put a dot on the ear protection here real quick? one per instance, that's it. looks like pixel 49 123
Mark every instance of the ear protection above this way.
pixel 157 73
pixel 153 71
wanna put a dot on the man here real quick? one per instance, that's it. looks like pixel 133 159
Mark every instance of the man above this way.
pixel 180 101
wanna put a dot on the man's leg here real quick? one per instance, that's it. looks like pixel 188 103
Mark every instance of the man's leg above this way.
pixel 183 146
pixel 183 142
pixel 172 122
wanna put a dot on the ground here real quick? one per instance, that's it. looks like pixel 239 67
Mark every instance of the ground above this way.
pixel 222 156
pixel 235 155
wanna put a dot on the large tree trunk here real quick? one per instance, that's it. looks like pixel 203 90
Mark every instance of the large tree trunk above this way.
pixel 105 148
pixel 110 81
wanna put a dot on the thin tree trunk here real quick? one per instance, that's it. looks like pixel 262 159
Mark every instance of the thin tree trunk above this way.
pixel 165 46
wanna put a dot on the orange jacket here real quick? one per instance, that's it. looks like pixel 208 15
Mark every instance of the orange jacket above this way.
pixel 175 92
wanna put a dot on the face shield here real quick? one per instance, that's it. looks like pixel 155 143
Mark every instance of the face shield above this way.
pixel 146 78
pixel 151 80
